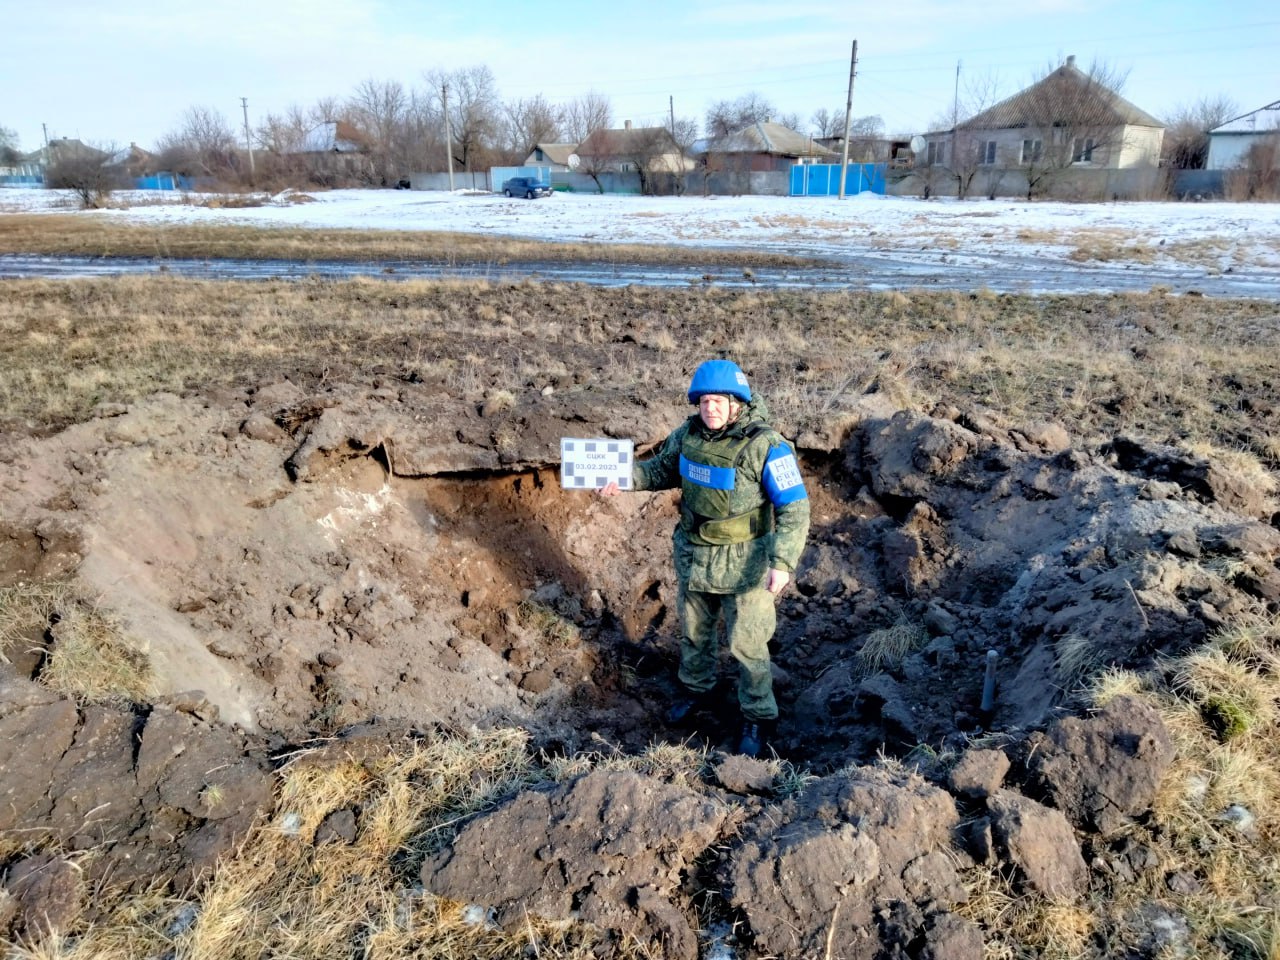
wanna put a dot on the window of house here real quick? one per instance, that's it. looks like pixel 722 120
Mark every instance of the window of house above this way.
pixel 987 154
pixel 1032 150
pixel 538 155
pixel 1082 150
pixel 936 152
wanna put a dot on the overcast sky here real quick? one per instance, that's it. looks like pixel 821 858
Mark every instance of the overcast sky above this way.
pixel 110 72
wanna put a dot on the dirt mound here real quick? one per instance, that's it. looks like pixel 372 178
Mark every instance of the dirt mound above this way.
pixel 289 564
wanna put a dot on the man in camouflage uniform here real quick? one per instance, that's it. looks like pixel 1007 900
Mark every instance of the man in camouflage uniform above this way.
pixel 744 517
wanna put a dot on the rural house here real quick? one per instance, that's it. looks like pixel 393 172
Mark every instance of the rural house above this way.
pixel 1069 121
pixel 764 146
pixel 1231 143
pixel 334 151
pixel 552 155
pixel 649 152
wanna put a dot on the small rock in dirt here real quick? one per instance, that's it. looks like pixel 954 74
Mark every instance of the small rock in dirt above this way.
pixel 49 893
pixel 1183 882
pixel 948 937
pixel 1039 842
pixel 739 774
pixel 259 426
pixel 939 621
pixel 975 839
pixel 330 659
pixel 979 773
pixel 1184 543
pixel 338 827
pixel 539 680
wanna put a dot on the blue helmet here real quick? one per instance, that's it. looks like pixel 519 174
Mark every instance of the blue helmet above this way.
pixel 719 376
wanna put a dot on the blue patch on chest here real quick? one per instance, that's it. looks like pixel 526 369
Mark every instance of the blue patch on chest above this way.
pixel 704 475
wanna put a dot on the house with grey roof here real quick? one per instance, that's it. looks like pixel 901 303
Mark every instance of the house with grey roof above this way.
pixel 1068 118
pixel 334 151
pixel 553 155
pixel 1231 143
pixel 764 146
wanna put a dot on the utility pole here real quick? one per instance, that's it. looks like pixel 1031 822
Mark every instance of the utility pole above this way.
pixel 671 107
pixel 955 117
pixel 448 136
pixel 244 105
pixel 848 118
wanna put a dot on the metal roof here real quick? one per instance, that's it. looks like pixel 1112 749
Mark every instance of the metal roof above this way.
pixel 1255 121
pixel 333 136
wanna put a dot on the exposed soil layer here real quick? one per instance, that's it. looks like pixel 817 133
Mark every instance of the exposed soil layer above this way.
pixel 293 563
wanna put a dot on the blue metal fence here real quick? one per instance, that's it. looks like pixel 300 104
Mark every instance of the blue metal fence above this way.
pixel 497 175
pixel 823 179
pixel 162 181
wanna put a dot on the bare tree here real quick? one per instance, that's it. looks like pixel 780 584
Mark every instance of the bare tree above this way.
pixel 527 123
pixel 726 116
pixel 424 132
pixel 1071 117
pixel 91 173
pixel 789 120
pixel 827 124
pixel 283 133
pixel 683 133
pixel 584 115
pixel 597 154
pixel 968 149
pixel 1186 134
pixel 378 110
pixel 203 145
pixel 474 112
pixel 8 146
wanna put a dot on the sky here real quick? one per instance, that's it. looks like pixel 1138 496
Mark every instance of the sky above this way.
pixel 112 73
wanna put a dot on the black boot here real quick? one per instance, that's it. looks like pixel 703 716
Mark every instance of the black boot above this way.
pixel 687 703
pixel 756 735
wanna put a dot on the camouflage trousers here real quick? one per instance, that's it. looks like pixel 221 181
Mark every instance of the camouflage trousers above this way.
pixel 749 621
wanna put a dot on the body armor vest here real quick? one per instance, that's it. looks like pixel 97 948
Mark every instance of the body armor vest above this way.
pixel 714 508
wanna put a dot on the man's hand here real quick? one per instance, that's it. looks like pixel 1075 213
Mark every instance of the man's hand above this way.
pixel 610 489
pixel 776 581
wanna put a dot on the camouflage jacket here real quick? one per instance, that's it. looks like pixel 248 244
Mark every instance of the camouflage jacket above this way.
pixel 739 566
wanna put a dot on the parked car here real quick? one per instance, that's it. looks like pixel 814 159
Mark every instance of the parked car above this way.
pixel 527 187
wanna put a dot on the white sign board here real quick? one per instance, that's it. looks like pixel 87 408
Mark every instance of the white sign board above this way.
pixel 589 464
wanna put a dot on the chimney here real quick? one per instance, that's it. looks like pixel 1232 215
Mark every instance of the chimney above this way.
pixel 1071 60
pixel 626 124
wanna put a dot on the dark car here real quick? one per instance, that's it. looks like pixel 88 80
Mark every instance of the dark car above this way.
pixel 527 187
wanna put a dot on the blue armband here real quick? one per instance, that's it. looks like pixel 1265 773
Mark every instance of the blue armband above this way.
pixel 782 481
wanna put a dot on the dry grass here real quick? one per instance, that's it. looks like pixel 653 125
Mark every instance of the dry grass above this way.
pixel 87 654
pixel 1196 369
pixel 98 237
pixel 280 895
pixel 887 647
pixel 1216 818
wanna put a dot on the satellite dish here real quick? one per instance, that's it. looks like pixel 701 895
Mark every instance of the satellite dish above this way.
pixel 918 144
pixel 573 161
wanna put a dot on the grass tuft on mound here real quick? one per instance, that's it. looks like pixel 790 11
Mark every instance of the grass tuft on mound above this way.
pixel 83 650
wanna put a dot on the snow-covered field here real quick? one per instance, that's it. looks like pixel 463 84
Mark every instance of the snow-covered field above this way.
pixel 1194 240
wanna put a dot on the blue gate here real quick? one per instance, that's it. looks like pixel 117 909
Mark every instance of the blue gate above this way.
pixel 823 179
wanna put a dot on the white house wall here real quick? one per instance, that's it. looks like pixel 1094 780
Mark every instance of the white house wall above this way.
pixel 1230 150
